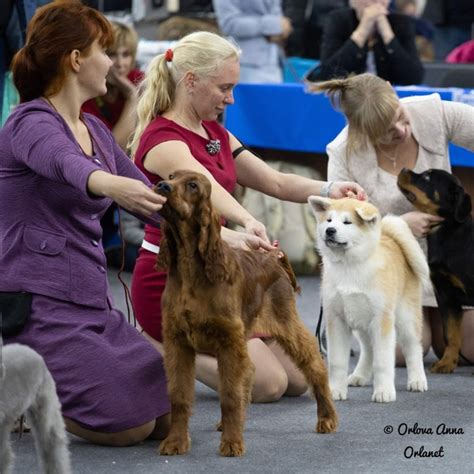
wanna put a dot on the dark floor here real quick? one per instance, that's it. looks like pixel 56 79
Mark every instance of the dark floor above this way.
pixel 280 437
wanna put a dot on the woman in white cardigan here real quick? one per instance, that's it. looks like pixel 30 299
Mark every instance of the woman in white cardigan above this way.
pixel 385 134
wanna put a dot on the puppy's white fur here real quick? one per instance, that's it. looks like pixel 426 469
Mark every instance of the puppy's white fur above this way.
pixel 27 386
pixel 373 274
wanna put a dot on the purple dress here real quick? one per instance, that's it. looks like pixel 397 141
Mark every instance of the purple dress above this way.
pixel 108 376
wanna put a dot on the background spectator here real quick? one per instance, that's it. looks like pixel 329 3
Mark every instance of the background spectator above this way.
pixel 367 38
pixel 464 53
pixel 307 18
pixel 424 30
pixel 453 20
pixel 117 109
pixel 261 30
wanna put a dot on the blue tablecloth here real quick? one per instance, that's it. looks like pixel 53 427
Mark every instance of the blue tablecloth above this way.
pixel 286 117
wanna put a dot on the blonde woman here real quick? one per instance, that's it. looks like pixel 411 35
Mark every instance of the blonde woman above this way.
pixel 385 134
pixel 117 108
pixel 184 92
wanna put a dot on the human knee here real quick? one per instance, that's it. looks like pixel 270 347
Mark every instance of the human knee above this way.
pixel 296 387
pixel 131 436
pixel 270 387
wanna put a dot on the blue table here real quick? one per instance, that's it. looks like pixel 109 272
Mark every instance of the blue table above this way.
pixel 286 117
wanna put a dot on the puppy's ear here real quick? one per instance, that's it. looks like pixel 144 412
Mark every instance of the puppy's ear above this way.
pixel 319 204
pixel 368 214
pixel 210 247
pixel 168 254
pixel 462 206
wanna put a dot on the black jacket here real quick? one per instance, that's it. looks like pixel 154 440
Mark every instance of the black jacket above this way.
pixel 397 62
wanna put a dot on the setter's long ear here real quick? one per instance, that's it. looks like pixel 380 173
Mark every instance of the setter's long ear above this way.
pixel 168 250
pixel 210 246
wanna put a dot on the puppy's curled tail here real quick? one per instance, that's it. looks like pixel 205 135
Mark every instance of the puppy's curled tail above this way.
pixel 285 263
pixel 396 228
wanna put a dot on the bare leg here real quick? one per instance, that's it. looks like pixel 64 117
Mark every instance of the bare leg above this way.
pixel 297 384
pixel 122 438
pixel 270 381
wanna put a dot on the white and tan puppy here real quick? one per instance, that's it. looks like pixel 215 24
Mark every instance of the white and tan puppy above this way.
pixel 373 273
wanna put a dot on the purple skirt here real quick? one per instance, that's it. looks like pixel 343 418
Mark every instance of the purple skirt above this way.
pixel 109 378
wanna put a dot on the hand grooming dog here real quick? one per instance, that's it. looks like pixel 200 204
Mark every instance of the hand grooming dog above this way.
pixel 373 270
pixel 27 386
pixel 450 250
pixel 215 297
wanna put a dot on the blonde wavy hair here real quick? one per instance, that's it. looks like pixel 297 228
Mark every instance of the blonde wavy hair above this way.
pixel 369 104
pixel 200 53
pixel 124 36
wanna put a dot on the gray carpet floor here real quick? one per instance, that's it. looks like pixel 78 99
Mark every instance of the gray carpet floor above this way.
pixel 280 437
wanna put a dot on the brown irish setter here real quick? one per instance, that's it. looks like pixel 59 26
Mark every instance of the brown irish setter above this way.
pixel 214 298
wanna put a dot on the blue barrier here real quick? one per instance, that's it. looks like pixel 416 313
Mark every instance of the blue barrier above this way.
pixel 295 69
pixel 286 117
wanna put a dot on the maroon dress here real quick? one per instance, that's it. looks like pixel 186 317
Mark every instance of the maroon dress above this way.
pixel 148 284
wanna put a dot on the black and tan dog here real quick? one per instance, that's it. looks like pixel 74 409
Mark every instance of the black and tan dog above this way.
pixel 450 250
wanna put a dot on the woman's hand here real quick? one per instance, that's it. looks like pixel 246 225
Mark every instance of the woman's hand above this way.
pixel 131 194
pixel 254 227
pixel 369 16
pixel 242 240
pixel 342 189
pixel 421 223
pixel 123 84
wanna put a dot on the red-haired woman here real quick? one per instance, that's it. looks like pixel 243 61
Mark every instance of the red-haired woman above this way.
pixel 59 171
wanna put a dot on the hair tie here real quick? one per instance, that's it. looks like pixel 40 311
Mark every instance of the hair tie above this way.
pixel 169 55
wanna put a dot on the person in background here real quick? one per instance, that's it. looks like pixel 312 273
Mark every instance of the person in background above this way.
pixel 462 54
pixel 385 134
pixel 260 29
pixel 367 38
pixel 185 90
pixel 307 18
pixel 424 30
pixel 453 21
pixel 117 109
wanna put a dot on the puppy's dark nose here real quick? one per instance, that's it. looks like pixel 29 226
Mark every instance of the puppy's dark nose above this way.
pixel 330 231
pixel 164 187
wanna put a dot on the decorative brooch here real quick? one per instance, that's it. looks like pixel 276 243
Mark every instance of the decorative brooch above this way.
pixel 213 146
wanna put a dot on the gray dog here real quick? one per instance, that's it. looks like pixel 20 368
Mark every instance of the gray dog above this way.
pixel 27 386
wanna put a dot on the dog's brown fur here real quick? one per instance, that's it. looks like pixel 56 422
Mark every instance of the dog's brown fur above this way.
pixel 215 297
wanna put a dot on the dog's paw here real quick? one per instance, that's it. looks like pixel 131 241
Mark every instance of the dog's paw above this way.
pixel 357 380
pixel 443 367
pixel 418 385
pixel 385 395
pixel 171 446
pixel 231 449
pixel 327 424
pixel 339 393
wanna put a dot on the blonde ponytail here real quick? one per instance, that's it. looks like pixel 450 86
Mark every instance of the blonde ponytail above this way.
pixel 369 104
pixel 156 93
